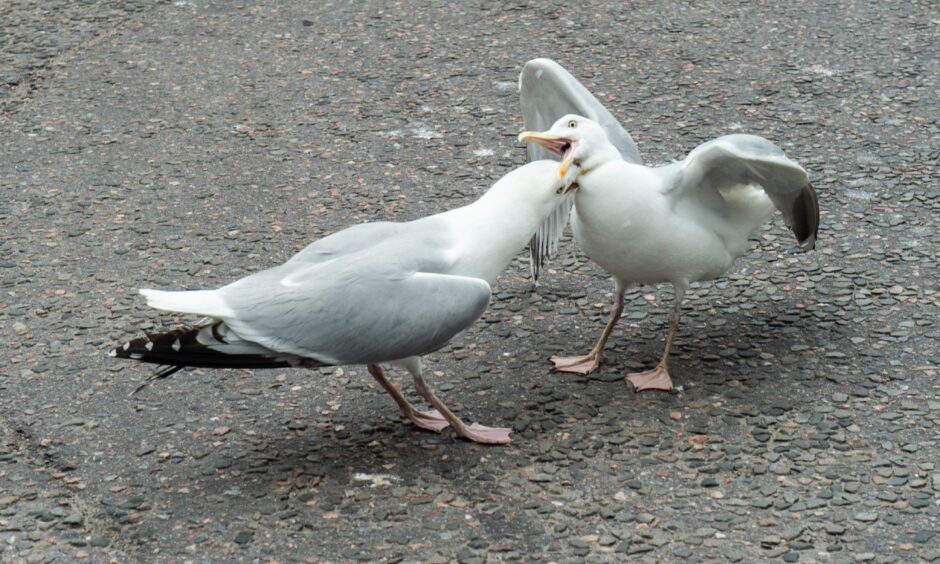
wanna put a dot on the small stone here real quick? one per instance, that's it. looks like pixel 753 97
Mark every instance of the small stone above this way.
pixel 781 467
pixel 74 519
pixel 244 537
pixel 762 503
pixel 866 516
pixel 770 540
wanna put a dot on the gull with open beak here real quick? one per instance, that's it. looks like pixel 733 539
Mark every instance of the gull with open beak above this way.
pixel 679 223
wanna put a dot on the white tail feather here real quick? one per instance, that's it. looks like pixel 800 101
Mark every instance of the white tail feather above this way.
pixel 199 302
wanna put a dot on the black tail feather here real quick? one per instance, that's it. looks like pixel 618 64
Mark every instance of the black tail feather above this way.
pixel 183 347
pixel 163 372
pixel 180 347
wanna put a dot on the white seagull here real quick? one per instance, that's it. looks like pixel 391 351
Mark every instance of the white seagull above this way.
pixel 547 92
pixel 679 223
pixel 376 293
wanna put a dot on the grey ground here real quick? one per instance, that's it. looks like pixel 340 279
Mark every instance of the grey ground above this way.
pixel 183 144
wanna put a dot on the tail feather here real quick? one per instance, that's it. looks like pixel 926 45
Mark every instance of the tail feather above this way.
pixel 207 346
pixel 199 302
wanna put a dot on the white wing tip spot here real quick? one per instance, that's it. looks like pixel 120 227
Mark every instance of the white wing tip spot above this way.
pixel 176 346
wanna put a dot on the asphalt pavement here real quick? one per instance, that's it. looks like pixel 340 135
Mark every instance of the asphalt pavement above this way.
pixel 184 144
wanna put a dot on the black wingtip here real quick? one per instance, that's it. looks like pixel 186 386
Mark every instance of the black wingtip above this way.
pixel 806 218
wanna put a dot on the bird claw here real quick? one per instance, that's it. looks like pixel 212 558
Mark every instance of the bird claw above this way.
pixel 429 420
pixel 655 379
pixel 486 435
pixel 583 365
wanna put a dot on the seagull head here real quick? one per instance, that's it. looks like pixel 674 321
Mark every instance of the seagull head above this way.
pixel 578 141
pixel 539 181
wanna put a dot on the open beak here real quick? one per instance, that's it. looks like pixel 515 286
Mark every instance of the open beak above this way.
pixel 561 146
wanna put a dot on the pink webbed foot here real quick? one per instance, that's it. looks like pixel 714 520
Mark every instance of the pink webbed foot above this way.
pixel 430 420
pixel 655 379
pixel 577 364
pixel 485 435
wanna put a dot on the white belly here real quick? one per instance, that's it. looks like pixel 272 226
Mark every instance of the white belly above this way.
pixel 643 241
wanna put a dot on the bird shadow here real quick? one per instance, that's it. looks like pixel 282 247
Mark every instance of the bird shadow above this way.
pixel 756 363
pixel 745 362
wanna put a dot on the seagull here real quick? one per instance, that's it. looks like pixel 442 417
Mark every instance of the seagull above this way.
pixel 548 91
pixel 372 294
pixel 680 223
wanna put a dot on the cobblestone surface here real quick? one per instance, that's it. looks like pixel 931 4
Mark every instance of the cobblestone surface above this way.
pixel 183 144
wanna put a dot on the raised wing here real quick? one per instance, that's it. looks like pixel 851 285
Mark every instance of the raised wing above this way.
pixel 735 160
pixel 547 92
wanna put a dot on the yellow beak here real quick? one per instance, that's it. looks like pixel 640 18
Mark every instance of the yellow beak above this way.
pixel 554 143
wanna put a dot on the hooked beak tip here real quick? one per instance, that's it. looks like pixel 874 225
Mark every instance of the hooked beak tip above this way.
pixel 563 170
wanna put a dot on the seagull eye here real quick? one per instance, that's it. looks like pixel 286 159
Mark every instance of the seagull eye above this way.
pixel 572 124
pixel 560 190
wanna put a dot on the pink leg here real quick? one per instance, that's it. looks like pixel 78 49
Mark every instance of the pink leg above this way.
pixel 592 360
pixel 658 378
pixel 475 432
pixel 430 420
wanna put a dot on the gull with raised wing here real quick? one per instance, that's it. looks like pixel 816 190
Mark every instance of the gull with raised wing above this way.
pixel 372 294
pixel 680 223
pixel 547 92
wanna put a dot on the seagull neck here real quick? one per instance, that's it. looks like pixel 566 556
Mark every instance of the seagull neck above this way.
pixel 496 227
pixel 599 157
pixel 509 213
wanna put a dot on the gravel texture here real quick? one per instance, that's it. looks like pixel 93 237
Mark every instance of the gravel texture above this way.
pixel 183 144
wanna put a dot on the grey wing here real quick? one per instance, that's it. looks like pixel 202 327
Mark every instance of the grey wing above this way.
pixel 547 92
pixel 351 239
pixel 347 312
pixel 735 160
